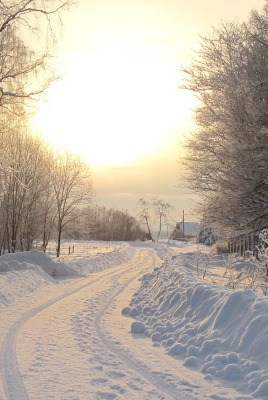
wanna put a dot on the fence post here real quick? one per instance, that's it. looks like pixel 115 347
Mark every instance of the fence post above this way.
pixel 253 244
pixel 247 243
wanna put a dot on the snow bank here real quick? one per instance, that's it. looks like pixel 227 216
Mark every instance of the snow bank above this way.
pixel 35 260
pixel 221 332
pixel 122 253
pixel 22 273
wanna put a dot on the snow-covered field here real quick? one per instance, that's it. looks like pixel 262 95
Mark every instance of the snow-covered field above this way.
pixel 128 321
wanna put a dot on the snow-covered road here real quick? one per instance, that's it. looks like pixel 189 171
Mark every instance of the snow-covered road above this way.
pixel 55 347
pixel 70 341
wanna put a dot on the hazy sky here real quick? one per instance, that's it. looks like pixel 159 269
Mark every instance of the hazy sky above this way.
pixel 118 103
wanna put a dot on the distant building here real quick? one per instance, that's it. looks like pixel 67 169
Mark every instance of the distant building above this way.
pixel 187 230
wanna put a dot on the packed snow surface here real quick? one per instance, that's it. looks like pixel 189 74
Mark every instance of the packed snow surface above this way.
pixel 129 321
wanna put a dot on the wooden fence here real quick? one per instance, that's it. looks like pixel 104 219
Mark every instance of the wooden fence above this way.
pixel 241 244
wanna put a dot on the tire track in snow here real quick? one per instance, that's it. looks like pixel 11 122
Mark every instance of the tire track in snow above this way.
pixel 13 384
pixel 161 386
pixel 187 385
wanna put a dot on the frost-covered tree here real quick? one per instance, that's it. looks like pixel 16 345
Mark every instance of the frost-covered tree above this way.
pixel 226 159
pixel 28 29
pixel 72 187
pixel 206 234
pixel 155 211
pixel 162 213
pixel 23 178
pixel 145 216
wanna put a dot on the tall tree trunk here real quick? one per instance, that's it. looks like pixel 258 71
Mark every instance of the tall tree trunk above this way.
pixel 149 230
pixel 59 239
pixel 160 227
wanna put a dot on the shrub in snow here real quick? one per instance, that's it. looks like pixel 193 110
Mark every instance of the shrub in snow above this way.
pixel 255 273
pixel 206 235
pixel 261 263
pixel 221 246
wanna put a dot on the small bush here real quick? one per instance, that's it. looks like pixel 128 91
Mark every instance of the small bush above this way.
pixel 221 246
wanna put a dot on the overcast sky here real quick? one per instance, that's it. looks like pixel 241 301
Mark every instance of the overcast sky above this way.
pixel 118 103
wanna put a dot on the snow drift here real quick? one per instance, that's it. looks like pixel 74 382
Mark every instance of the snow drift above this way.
pixel 22 273
pixel 221 332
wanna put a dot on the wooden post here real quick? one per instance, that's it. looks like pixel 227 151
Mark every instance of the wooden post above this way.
pixel 247 243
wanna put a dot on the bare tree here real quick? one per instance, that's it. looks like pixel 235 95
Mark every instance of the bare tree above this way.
pixel 162 213
pixel 72 188
pixel 144 216
pixel 48 215
pixel 37 188
pixel 154 211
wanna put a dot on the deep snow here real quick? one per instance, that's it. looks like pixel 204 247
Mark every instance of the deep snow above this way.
pixel 216 333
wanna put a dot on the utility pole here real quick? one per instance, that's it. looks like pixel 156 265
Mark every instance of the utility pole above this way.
pixel 183 223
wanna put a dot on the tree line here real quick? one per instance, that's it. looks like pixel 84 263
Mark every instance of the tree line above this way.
pixel 39 190
pixel 47 194
pixel 226 159
pixel 102 223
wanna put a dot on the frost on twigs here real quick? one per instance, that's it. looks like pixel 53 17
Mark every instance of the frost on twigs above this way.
pixel 254 275
pixel 28 32
pixel 235 276
pixel 260 270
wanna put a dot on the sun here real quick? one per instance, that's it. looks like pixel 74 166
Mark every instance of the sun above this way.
pixel 112 109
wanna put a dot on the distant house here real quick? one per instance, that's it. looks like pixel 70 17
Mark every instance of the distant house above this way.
pixel 186 230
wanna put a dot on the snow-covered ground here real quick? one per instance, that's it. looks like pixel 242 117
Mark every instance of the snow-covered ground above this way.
pixel 128 321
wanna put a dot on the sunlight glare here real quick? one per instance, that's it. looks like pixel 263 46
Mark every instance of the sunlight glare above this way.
pixel 112 109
